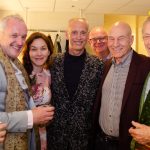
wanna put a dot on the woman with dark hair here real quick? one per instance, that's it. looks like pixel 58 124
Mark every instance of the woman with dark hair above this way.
pixel 36 57
pixel 26 56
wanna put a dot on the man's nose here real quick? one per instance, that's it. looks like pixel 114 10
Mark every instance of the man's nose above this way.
pixel 20 41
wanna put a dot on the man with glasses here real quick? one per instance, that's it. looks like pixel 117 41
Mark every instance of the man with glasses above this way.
pixel 119 94
pixel 98 41
pixel 141 131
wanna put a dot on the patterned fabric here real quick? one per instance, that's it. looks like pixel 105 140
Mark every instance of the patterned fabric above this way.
pixel 112 95
pixel 40 83
pixel 144 119
pixel 70 129
pixel 138 71
pixel 15 101
pixel 144 115
pixel 144 94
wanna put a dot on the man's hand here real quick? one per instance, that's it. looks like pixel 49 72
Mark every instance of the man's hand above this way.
pixel 140 133
pixel 2 132
pixel 42 114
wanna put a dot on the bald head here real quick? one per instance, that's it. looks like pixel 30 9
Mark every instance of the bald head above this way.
pixel 97 31
pixel 121 27
pixel 120 40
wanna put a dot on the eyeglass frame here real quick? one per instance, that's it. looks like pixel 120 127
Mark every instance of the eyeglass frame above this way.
pixel 103 39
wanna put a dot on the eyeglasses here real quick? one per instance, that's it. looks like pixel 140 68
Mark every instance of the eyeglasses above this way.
pixel 103 39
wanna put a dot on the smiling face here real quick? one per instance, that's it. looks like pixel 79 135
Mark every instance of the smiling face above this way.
pixel 12 38
pixel 77 35
pixel 38 52
pixel 120 40
pixel 146 36
pixel 98 40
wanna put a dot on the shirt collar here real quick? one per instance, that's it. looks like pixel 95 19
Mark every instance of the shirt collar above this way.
pixel 125 60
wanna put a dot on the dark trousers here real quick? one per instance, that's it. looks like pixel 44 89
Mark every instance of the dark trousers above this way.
pixel 105 142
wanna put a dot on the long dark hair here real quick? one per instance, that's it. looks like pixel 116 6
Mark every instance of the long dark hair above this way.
pixel 25 56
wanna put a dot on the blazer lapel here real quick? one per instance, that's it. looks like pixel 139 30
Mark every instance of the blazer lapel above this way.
pixel 143 95
pixel 130 78
pixel 145 114
pixel 107 66
pixel 62 78
pixel 59 77
pixel 97 104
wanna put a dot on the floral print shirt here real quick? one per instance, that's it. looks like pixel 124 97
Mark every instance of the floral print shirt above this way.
pixel 40 87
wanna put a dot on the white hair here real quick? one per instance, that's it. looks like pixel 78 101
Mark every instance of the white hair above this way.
pixel 80 20
pixel 145 22
pixel 3 21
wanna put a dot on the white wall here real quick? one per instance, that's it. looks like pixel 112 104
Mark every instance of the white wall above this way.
pixel 47 21
pixel 53 21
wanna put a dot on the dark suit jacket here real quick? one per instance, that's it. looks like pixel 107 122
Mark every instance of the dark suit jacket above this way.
pixel 71 126
pixel 138 71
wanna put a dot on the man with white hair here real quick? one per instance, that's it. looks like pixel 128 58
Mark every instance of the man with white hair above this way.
pixel 15 100
pixel 75 80
pixel 141 131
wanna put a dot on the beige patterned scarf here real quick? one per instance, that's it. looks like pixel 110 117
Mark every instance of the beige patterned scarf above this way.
pixel 15 101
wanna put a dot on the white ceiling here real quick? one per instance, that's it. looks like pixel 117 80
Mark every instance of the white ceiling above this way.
pixel 133 7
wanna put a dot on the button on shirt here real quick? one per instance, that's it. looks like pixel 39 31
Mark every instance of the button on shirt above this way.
pixel 112 95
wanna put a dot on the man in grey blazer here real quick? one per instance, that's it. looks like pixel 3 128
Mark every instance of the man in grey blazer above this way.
pixel 15 100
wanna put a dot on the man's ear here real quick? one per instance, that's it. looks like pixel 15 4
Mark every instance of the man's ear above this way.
pixel 89 42
pixel 131 39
